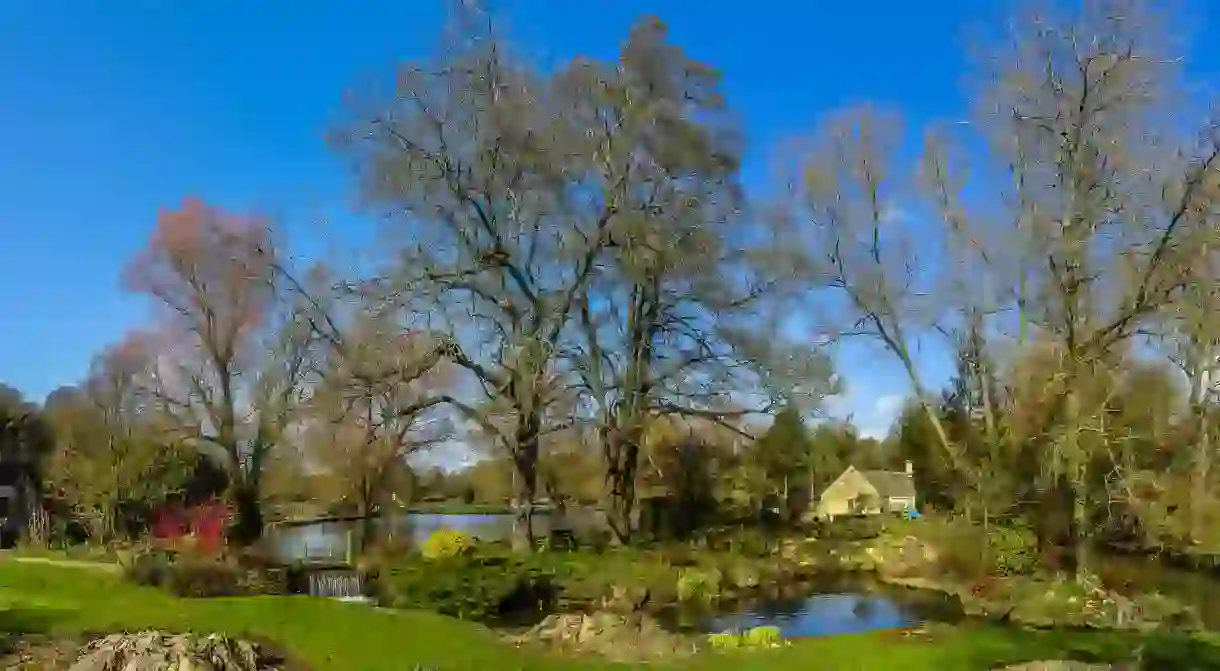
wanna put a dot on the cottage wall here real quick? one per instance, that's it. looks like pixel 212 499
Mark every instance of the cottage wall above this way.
pixel 851 494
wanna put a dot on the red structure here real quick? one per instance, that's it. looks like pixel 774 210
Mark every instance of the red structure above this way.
pixel 204 523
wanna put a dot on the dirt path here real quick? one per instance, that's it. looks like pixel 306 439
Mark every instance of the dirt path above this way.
pixel 67 563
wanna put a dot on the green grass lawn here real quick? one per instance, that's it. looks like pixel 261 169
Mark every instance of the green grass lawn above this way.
pixel 334 636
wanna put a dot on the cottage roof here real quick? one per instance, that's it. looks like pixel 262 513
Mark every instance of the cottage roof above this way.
pixel 891 483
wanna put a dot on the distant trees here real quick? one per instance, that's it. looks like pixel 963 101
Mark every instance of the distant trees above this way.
pixel 26 443
pixel 371 410
pixel 113 460
pixel 25 437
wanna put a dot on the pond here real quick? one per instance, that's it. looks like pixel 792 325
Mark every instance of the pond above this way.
pixel 327 541
pixel 849 604
pixel 835 605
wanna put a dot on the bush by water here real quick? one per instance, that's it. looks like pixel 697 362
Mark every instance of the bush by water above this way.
pixel 455 577
pixel 195 576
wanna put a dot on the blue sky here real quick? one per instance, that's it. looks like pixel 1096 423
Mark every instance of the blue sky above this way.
pixel 111 110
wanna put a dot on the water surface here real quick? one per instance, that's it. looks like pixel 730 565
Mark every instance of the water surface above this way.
pixel 327 541
pixel 842 605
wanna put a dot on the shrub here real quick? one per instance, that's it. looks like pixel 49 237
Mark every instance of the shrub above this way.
pixel 758 637
pixel 203 578
pixel 699 585
pixel 446 544
pixel 475 587
pixel 961 546
pixel 681 556
pixel 851 528
pixel 726 640
pixel 1178 650
pixel 263 581
pixel 751 543
pixel 1012 550
pixel 762 637
pixel 149 568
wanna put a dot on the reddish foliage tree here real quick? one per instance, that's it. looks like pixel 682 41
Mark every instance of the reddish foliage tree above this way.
pixel 218 378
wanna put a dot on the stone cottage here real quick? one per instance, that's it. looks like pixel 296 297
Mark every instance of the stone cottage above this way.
pixel 857 492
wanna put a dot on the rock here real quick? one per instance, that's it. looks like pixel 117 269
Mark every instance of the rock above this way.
pixel 624 599
pixel 158 651
pixel 36 652
pixel 916 582
pixel 626 638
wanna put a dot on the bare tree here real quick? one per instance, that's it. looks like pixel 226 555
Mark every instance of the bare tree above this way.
pixel 499 225
pixel 676 322
pixel 849 212
pixel 1190 337
pixel 231 361
pixel 372 411
pixel 1110 207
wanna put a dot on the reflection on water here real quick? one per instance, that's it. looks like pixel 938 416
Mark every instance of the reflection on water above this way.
pixel 328 540
pixel 822 615
pixel 837 606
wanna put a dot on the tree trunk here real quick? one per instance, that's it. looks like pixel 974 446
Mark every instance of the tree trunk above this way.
pixel 629 422
pixel 368 527
pixel 1078 466
pixel 786 502
pixel 622 488
pixel 1201 473
pixel 526 463
pixel 942 436
pixel 248 513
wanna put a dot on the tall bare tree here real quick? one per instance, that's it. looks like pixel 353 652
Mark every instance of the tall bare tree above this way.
pixel 676 322
pixel 1110 205
pixel 499 227
pixel 852 213
pixel 1107 209
pixel 232 359
pixel 1189 335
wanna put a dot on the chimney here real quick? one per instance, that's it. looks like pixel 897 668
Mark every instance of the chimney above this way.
pixel 910 470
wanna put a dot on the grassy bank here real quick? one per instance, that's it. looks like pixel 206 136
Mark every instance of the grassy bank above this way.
pixel 333 636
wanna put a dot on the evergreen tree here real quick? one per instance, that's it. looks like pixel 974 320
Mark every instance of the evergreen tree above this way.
pixel 785 454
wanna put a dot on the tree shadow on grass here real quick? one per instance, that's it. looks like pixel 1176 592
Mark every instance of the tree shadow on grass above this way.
pixel 998 647
pixel 1161 651
pixel 32 620
pixel 17 623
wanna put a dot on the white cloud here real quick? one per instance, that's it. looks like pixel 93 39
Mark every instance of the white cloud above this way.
pixel 870 412
pixel 877 421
